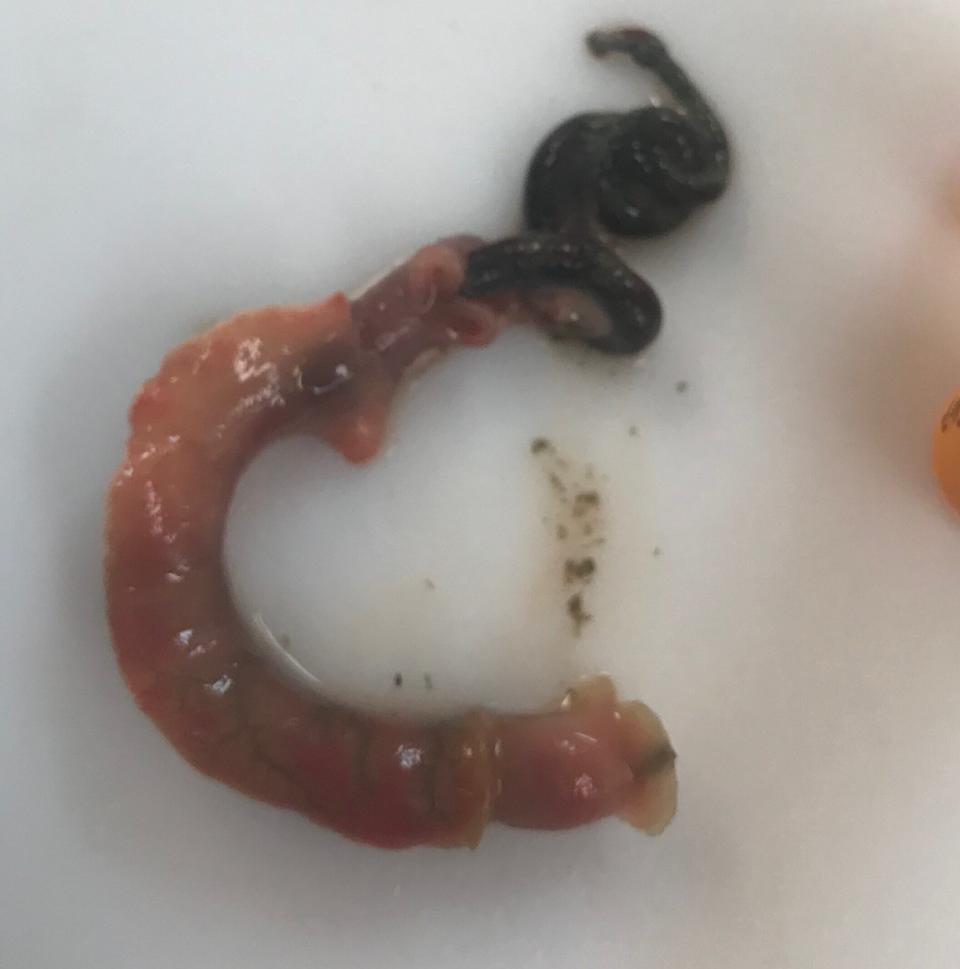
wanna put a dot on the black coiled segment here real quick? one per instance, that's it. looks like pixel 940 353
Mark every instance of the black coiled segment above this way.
pixel 547 261
pixel 635 174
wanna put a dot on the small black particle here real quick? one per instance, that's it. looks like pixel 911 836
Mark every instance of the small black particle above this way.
pixel 585 501
pixel 577 612
pixel 657 552
pixel 579 570
pixel 681 386
pixel 429 583
pixel 398 679
pixel 539 444
pixel 428 681
pixel 634 431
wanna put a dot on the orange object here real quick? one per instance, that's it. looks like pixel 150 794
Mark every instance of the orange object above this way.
pixel 946 452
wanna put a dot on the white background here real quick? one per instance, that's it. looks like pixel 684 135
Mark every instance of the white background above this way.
pixel 163 164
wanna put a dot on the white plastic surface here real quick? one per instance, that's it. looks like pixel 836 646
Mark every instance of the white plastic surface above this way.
pixel 164 165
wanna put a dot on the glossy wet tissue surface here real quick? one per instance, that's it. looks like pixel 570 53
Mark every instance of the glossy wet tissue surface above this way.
pixel 777 577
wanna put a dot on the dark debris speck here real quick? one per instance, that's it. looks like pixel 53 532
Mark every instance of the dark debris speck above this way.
pixel 577 612
pixel 579 570
pixel 584 501
pixel 540 444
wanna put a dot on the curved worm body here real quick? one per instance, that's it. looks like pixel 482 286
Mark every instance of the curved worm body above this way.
pixel 634 174
pixel 578 287
pixel 330 370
